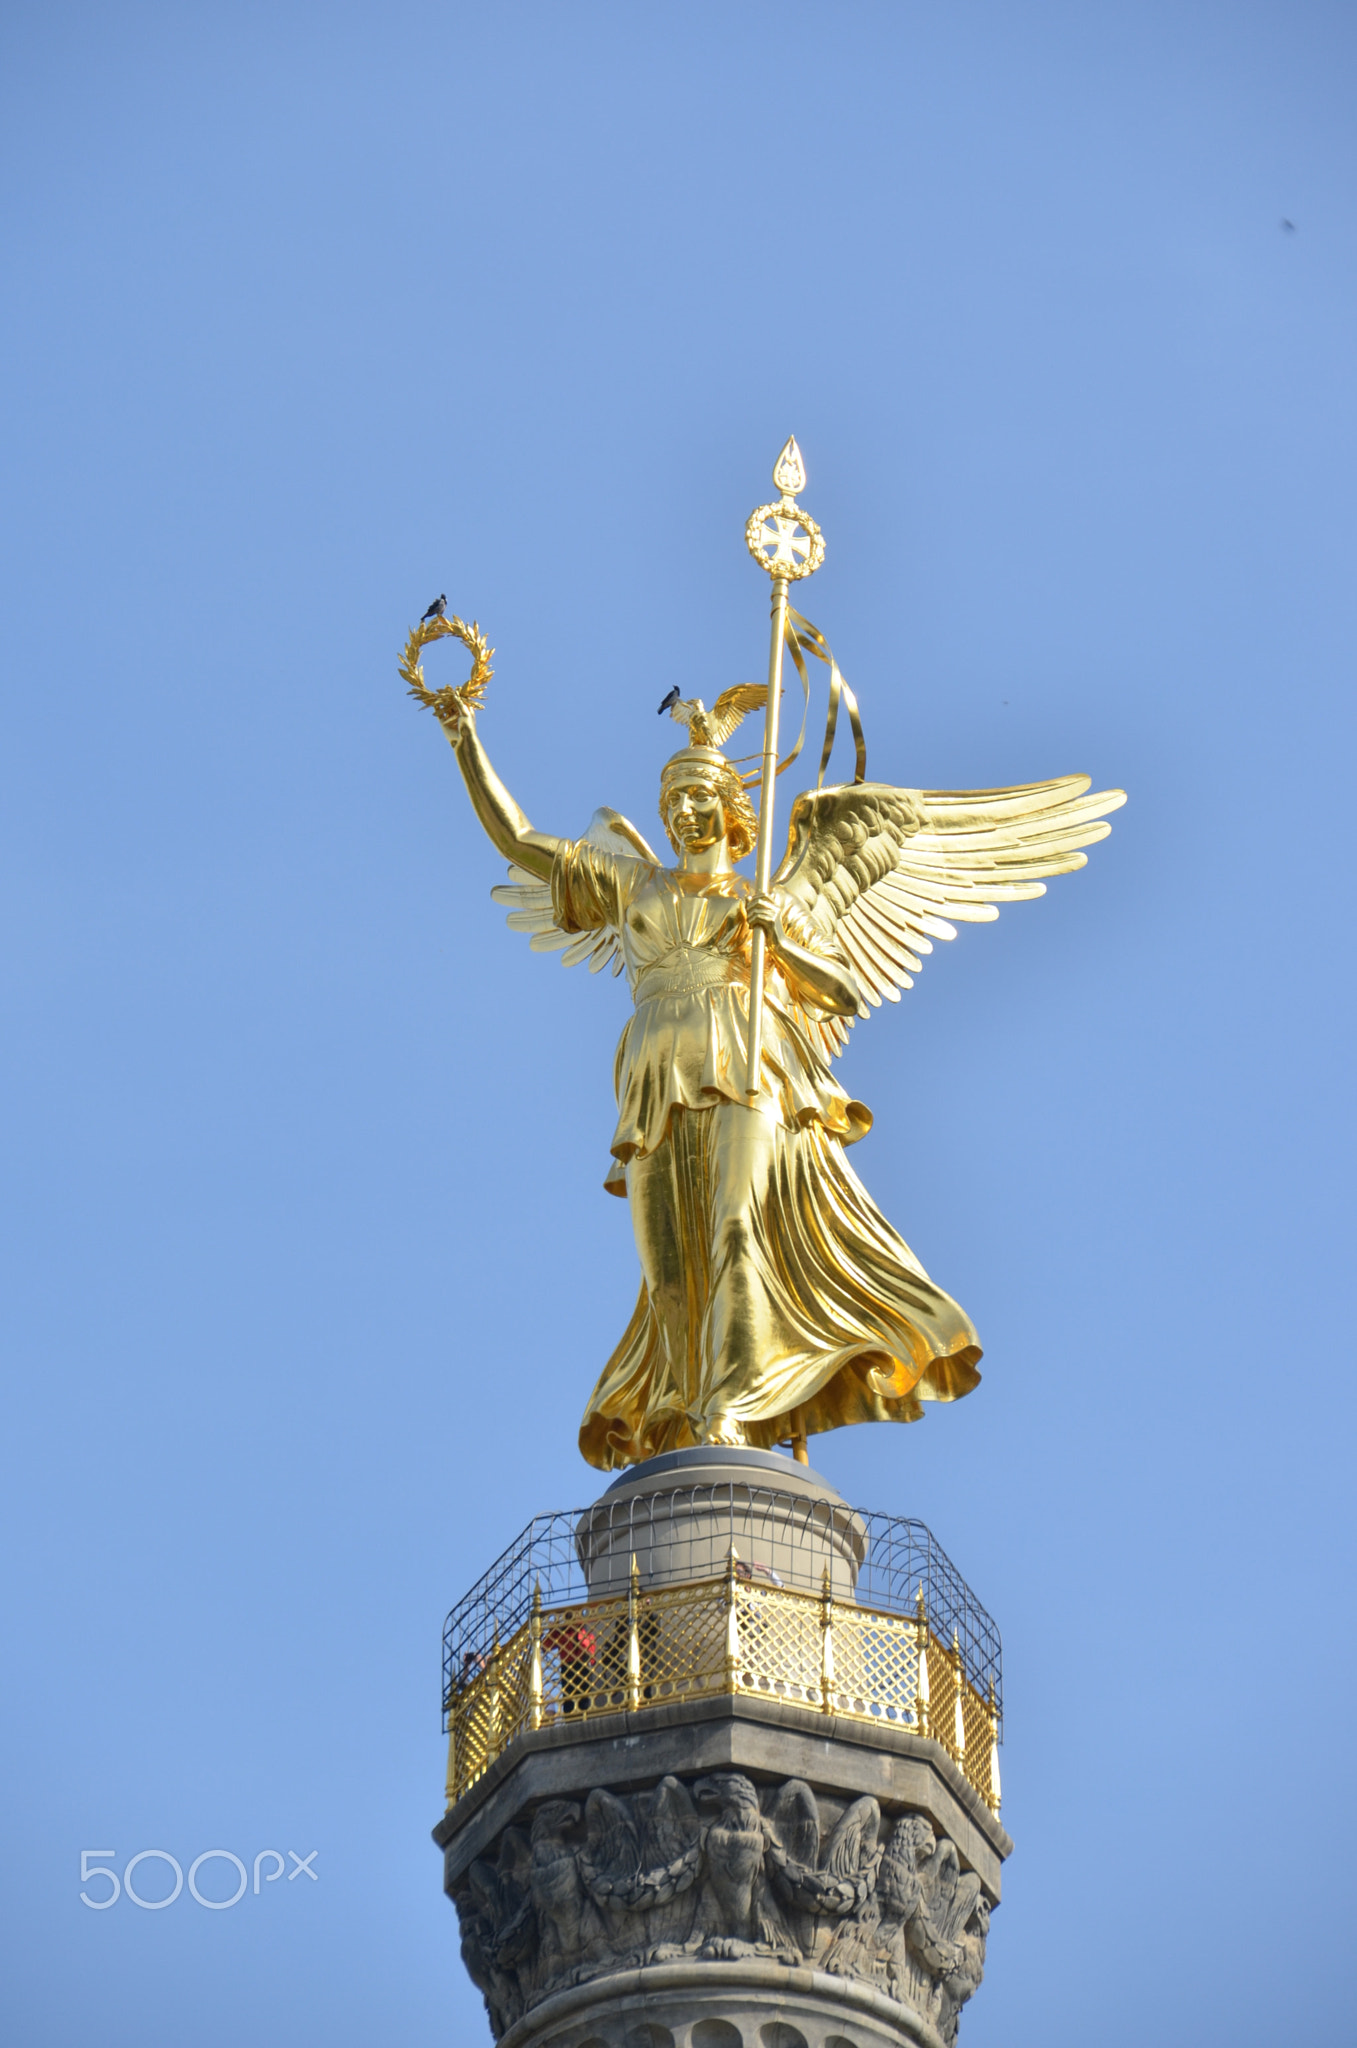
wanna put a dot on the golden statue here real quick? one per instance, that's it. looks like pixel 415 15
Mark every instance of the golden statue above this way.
pixel 776 1301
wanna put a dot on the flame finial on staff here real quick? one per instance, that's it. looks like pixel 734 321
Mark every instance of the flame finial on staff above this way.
pixel 789 545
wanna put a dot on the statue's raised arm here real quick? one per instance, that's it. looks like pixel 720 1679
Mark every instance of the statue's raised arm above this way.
pixel 506 825
pixel 455 707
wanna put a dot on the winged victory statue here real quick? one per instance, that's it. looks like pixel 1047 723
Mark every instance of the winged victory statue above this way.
pixel 776 1300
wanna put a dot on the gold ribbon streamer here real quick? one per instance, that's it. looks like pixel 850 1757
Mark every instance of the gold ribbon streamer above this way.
pixel 754 780
pixel 802 638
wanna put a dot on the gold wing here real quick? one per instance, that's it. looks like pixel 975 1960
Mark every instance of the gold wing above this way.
pixel 713 728
pixel 530 900
pixel 731 706
pixel 883 871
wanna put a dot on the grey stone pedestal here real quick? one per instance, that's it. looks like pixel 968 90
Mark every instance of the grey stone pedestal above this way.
pixel 723 1872
pixel 751 2004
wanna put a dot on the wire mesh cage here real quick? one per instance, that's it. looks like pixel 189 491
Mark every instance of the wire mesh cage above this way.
pixel 583 1558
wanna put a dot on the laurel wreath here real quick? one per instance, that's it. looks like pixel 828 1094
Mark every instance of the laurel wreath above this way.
pixel 449 702
pixel 792 571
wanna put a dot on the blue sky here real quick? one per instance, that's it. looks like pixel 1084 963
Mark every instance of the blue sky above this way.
pixel 307 1270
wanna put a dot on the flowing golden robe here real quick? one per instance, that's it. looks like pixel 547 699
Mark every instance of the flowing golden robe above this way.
pixel 775 1297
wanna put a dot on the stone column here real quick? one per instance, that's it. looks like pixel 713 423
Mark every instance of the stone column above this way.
pixel 739 1868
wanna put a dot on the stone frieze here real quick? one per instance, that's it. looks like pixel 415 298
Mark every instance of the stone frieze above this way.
pixel 717 1869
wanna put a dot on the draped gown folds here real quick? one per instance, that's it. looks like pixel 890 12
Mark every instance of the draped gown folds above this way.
pixel 775 1297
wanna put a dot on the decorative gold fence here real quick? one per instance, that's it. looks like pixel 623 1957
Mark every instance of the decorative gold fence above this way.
pixel 723 1635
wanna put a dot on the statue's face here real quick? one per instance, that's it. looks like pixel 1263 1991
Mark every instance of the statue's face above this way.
pixel 695 814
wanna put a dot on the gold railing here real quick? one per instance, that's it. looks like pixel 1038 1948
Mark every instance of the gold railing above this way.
pixel 725 1635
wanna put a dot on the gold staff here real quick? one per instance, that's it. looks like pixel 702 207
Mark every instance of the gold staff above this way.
pixel 789 545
